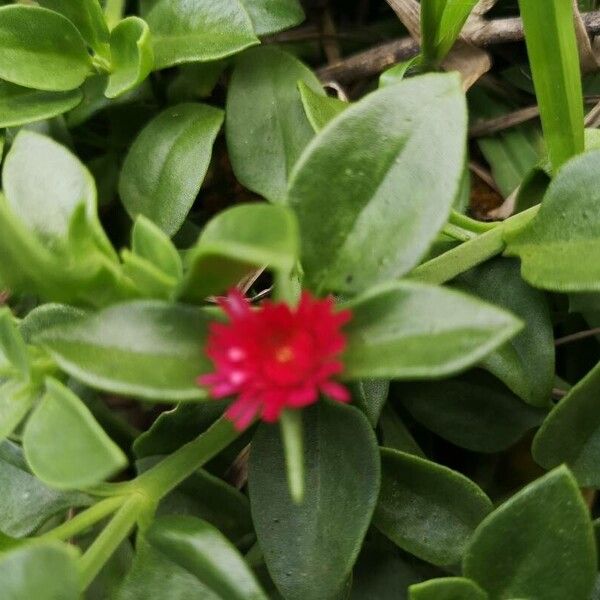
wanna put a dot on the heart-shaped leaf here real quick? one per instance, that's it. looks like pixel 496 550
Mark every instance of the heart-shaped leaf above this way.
pixel 383 176
pixel 407 330
pixel 41 49
pixel 85 456
pixel 149 349
pixel 310 548
pixel 427 509
pixel 266 127
pixel 551 554
pixel 202 31
pixel 166 164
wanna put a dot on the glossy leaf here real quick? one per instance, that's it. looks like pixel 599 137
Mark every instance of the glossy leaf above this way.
pixel 427 509
pixel 238 240
pixel 554 60
pixel 42 570
pixel 184 32
pixel 132 57
pixel 473 411
pixel 149 349
pixel 565 229
pixel 20 105
pixel 266 126
pixel 526 363
pixel 536 563
pixel 26 503
pixel 166 164
pixel 87 16
pixel 319 108
pixel 571 432
pixel 86 455
pixel 323 535
pixel 407 330
pixel 409 137
pixel 203 551
pixel 447 588
pixel 41 49
pixel 395 434
pixel 274 15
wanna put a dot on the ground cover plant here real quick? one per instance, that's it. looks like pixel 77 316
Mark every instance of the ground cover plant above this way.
pixel 299 300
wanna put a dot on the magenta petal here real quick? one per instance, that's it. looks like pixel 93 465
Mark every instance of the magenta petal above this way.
pixel 336 391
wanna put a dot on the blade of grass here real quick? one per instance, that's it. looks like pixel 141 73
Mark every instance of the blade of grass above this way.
pixel 554 59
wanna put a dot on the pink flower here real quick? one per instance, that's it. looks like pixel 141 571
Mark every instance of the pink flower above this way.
pixel 275 357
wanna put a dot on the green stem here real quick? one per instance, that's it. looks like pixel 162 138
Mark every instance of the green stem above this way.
pixel 472 253
pixel 458 233
pixel 113 12
pixel 158 481
pixel 110 538
pixel 85 519
pixel 293 448
pixel 469 224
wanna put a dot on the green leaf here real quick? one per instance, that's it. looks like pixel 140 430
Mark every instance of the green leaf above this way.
pixel 150 349
pixel 12 347
pixel 323 535
pixel 203 551
pixel 266 127
pixel 370 396
pixel 132 57
pixel 41 49
pixel 536 563
pixel 474 411
pixel 87 17
pixel 46 316
pixel 44 183
pixel 41 570
pixel 199 32
pixel 447 588
pixel 398 72
pixel 150 243
pixel 512 153
pixel 427 509
pixel 16 398
pixel 554 59
pixel 407 330
pixel 166 164
pixel 237 241
pixel 571 432
pixel 394 433
pixel 20 105
pixel 409 137
pixel 154 577
pixel 85 455
pixel 441 24
pixel 526 363
pixel 274 15
pixel 209 498
pixel 552 244
pixel 195 80
pixel 319 108
pixel 26 503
